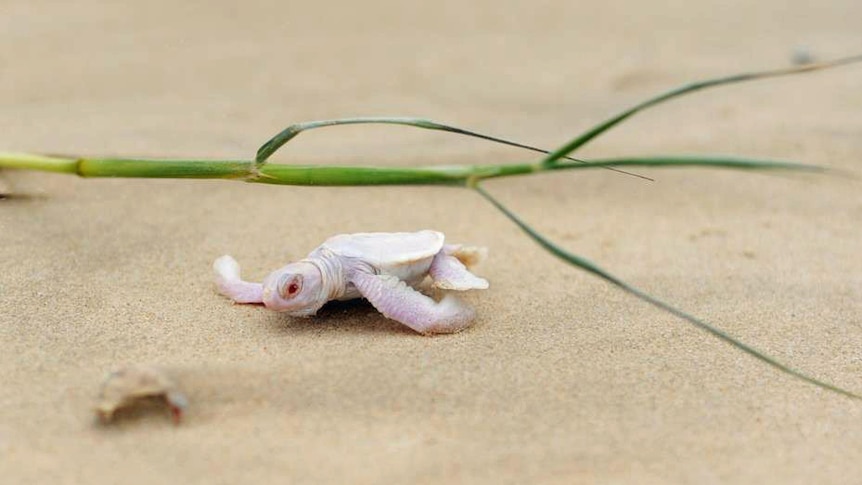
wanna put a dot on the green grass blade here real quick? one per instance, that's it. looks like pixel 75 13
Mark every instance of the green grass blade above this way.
pixel 29 161
pixel 322 175
pixel 351 176
pixel 273 144
pixel 591 267
pixel 597 130
pixel 129 167
pixel 682 161
pixel 246 171
pixel 289 133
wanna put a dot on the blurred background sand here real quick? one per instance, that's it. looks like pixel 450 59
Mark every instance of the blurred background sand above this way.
pixel 563 378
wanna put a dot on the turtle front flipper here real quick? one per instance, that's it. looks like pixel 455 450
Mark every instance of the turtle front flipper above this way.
pixel 449 273
pixel 394 299
pixel 232 286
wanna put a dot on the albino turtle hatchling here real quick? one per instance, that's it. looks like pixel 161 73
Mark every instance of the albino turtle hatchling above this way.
pixel 384 268
pixel 125 387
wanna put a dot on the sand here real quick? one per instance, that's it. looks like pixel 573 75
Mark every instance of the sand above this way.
pixel 563 378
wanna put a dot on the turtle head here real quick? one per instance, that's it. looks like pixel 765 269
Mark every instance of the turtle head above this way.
pixel 296 289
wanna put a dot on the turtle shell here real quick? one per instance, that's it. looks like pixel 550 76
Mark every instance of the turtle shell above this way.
pixel 387 249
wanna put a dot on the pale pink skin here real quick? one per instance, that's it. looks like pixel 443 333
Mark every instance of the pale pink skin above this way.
pixel 302 288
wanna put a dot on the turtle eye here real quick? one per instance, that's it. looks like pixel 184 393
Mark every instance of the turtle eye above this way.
pixel 290 286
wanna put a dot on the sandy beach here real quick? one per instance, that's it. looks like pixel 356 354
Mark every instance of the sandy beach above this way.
pixel 562 378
